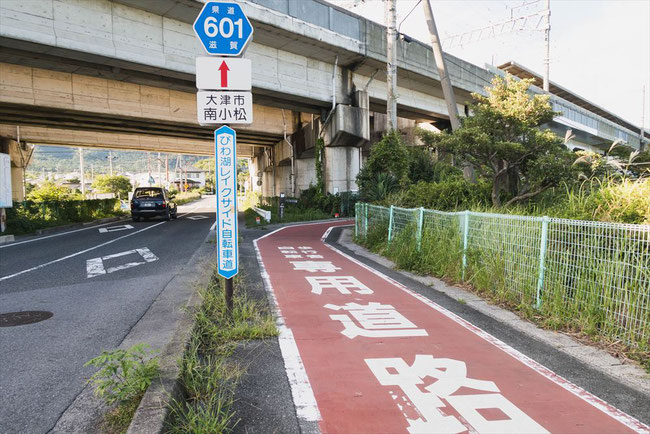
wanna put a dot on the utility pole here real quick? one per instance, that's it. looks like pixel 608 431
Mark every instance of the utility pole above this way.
pixel 166 170
pixel 81 168
pixel 92 172
pixel 159 175
pixel 110 162
pixel 642 132
pixel 391 63
pixel 547 45
pixel 447 90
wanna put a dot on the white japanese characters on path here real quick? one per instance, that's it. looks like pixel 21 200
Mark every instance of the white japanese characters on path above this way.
pixel 403 363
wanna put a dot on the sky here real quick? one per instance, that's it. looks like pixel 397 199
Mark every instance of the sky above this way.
pixel 600 50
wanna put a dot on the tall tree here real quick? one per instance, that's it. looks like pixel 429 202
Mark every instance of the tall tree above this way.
pixel 504 142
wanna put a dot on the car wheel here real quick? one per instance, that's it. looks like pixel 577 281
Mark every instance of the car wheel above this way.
pixel 168 216
pixel 175 215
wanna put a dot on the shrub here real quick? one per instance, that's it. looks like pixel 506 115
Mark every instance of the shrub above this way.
pixel 49 192
pixel 446 196
pixel 123 374
pixel 389 156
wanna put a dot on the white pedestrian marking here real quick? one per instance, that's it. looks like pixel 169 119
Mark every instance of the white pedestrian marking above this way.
pixel 197 217
pixel 343 284
pixel 115 228
pixel 429 399
pixel 95 267
pixel 375 320
pixel 315 256
pixel 314 266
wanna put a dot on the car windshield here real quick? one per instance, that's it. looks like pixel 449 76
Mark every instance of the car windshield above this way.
pixel 149 193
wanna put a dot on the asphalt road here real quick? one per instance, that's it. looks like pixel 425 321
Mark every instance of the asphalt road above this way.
pixel 97 284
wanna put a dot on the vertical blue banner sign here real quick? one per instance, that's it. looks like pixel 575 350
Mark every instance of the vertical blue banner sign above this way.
pixel 225 141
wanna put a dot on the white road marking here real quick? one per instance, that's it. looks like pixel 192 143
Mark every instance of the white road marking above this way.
pixel 81 252
pixel 214 226
pixel 197 217
pixel 52 236
pixel 115 229
pixel 95 267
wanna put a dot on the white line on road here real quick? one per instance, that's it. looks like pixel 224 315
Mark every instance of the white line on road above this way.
pixel 79 253
pixel 52 236
pixel 115 229
pixel 95 267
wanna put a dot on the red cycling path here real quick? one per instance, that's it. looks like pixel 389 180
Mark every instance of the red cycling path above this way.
pixel 363 353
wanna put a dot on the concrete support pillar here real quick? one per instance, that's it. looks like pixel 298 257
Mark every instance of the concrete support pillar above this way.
pixel 342 164
pixel 17 191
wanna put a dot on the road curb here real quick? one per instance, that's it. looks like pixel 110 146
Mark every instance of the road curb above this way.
pixel 153 410
pixel 596 358
pixel 4 239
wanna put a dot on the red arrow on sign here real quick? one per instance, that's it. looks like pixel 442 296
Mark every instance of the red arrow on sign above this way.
pixel 224 74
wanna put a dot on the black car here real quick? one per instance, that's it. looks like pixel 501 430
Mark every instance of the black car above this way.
pixel 152 201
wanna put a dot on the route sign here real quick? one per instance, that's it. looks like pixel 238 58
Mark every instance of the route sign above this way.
pixel 223 29
pixel 227 107
pixel 225 141
pixel 218 73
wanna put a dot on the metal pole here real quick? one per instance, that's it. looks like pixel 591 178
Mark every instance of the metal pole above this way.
pixel 445 81
pixel 391 63
pixel 420 222
pixel 228 295
pixel 465 239
pixel 547 45
pixel 365 220
pixel 159 173
pixel 390 225
pixel 110 162
pixel 167 170
pixel 81 168
pixel 542 258
pixel 642 131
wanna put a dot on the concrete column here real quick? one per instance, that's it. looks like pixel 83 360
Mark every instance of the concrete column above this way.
pixel 341 168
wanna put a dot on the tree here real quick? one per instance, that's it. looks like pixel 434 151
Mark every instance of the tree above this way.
pixel 209 165
pixel 390 157
pixel 49 192
pixel 119 185
pixel 503 141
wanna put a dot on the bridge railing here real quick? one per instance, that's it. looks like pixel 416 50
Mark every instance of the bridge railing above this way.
pixel 586 275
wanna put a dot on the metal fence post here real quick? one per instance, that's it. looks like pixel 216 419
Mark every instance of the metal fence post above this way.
pixel 542 258
pixel 390 224
pixel 365 220
pixel 420 221
pixel 356 220
pixel 465 236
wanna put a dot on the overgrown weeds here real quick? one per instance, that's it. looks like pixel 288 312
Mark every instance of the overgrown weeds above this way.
pixel 595 286
pixel 208 375
pixel 122 379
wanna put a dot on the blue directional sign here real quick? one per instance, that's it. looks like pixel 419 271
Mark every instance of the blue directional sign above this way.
pixel 225 141
pixel 223 28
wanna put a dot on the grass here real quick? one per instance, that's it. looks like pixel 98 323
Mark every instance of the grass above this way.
pixel 596 280
pixel 186 197
pixel 117 420
pixel 208 376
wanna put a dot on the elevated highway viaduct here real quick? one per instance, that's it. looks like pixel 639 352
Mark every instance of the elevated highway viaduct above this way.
pixel 120 74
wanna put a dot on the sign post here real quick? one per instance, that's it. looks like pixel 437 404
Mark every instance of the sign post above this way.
pixel 224 97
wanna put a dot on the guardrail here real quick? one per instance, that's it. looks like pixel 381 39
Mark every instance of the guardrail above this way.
pixel 595 271
pixel 263 213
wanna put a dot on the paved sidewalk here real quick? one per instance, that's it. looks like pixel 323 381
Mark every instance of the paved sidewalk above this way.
pixel 366 354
